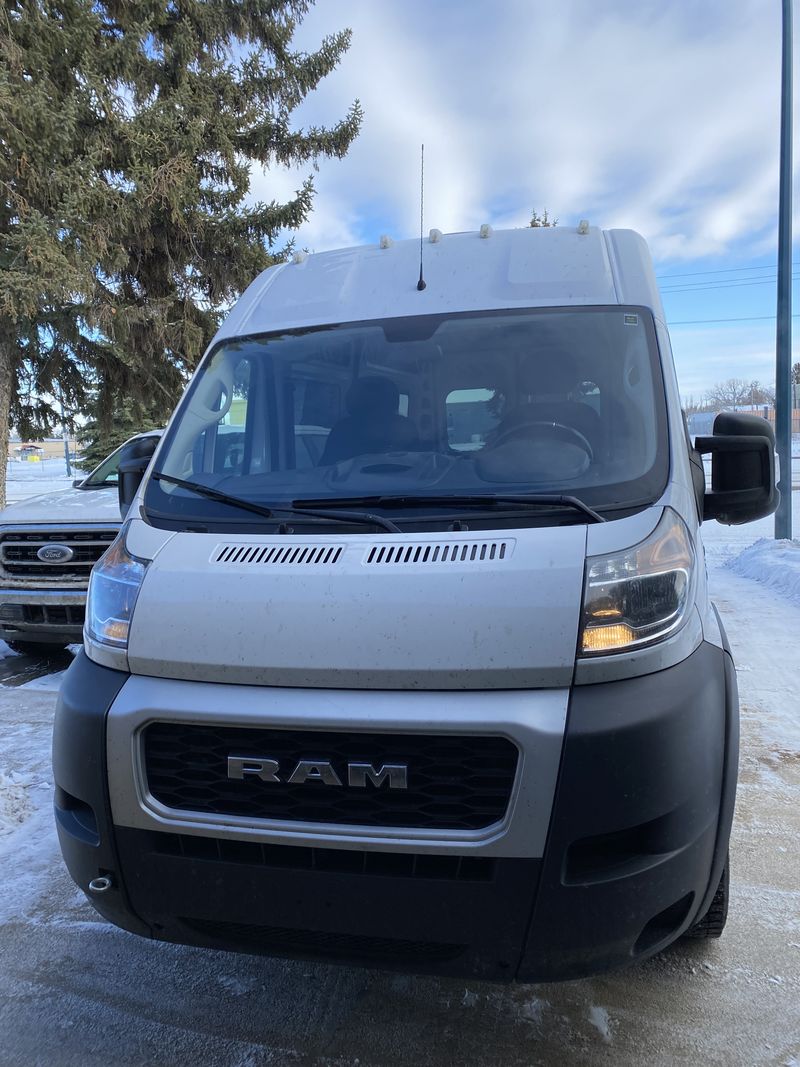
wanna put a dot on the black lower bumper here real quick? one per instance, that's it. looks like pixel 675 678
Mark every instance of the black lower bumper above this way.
pixel 637 840
pixel 405 912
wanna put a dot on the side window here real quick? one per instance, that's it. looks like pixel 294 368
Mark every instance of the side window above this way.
pixel 221 446
pixel 107 473
pixel 229 444
pixel 472 414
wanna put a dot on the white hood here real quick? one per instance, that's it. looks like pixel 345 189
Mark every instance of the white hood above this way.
pixel 337 613
pixel 66 505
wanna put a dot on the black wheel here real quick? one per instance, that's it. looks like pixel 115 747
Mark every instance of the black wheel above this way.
pixel 713 922
pixel 42 649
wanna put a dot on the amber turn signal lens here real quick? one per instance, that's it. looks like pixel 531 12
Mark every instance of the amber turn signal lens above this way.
pixel 603 638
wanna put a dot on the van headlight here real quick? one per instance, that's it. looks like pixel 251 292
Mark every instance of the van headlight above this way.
pixel 113 588
pixel 640 595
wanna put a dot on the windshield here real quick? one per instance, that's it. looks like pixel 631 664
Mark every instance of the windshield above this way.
pixel 546 401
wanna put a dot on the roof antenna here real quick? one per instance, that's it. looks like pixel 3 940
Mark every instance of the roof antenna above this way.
pixel 421 283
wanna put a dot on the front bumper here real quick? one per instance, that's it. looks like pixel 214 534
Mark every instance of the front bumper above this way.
pixel 633 848
pixel 45 615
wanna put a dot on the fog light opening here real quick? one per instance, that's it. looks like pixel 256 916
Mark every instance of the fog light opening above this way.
pixel 661 926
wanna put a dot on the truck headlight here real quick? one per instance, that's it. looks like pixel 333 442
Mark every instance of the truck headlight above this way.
pixel 641 594
pixel 113 587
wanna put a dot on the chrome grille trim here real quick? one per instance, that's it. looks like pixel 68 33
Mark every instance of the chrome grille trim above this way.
pixel 19 546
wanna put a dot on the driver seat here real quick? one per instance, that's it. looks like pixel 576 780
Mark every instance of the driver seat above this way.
pixel 372 424
pixel 549 400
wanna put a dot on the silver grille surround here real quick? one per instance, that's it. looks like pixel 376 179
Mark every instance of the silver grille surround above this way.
pixel 20 567
pixel 532 719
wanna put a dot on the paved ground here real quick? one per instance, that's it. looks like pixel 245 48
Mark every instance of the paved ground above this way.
pixel 75 991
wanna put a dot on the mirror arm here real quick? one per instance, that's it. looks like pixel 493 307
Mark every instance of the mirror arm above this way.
pixel 132 469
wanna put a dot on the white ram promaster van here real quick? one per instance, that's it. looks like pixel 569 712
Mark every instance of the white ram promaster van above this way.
pixel 444 692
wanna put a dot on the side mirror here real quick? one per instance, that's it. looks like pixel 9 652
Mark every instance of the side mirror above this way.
pixel 742 469
pixel 133 462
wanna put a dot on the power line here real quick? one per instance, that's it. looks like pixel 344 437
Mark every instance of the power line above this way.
pixel 747 318
pixel 699 287
pixel 722 270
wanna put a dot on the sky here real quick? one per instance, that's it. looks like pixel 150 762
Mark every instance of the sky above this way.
pixel 659 116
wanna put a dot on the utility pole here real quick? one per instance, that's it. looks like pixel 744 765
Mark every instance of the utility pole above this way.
pixel 65 434
pixel 783 345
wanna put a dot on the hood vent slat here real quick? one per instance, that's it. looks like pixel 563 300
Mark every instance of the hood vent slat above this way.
pixel 439 553
pixel 397 554
pixel 277 555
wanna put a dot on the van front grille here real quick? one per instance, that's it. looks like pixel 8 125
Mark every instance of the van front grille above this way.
pixel 423 865
pixel 454 782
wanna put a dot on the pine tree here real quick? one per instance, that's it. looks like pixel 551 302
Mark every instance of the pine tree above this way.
pixel 130 416
pixel 128 134
pixel 544 219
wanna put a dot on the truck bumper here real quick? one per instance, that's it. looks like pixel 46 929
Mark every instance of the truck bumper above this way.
pixel 44 615
pixel 636 842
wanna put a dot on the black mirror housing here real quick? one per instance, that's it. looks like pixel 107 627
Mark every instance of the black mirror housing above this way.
pixel 133 462
pixel 742 469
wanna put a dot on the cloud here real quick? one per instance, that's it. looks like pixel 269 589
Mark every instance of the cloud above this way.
pixel 663 117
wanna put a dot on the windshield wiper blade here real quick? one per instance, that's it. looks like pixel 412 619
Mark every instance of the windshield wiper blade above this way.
pixel 355 517
pixel 464 500
pixel 214 494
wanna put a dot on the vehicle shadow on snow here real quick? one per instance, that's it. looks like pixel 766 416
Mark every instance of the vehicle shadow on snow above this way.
pixel 19 668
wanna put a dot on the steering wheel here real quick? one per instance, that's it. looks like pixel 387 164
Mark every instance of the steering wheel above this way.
pixel 542 429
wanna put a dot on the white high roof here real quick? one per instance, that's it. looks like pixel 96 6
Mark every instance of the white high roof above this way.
pixel 531 267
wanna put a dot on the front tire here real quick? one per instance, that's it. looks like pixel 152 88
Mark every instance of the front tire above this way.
pixel 713 922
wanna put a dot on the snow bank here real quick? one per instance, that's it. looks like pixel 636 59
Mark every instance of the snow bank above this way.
pixel 14 804
pixel 773 563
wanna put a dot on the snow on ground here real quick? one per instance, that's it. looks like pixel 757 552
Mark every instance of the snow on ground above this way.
pixel 27 844
pixel 14 804
pixel 46 683
pixel 723 542
pixel 773 563
pixel 26 479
